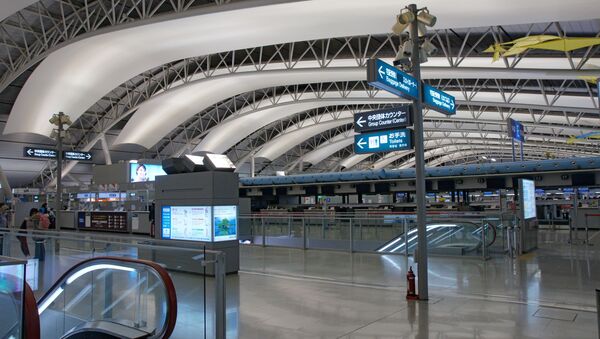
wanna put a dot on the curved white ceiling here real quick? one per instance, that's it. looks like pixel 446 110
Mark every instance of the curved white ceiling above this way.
pixel 233 130
pixel 237 127
pixel 76 76
pixel 161 114
pixel 279 145
pixel 10 7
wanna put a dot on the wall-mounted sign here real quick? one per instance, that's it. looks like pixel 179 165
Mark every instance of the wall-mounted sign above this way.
pixel 388 118
pixel 516 130
pixel 438 100
pixel 386 77
pixel 383 141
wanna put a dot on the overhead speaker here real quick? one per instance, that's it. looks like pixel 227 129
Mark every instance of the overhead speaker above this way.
pixel 178 165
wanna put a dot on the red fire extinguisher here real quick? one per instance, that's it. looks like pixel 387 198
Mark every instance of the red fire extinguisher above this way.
pixel 411 292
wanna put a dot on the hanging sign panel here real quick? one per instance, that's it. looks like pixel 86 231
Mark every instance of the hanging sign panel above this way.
pixel 383 141
pixel 389 118
pixel 388 78
pixel 439 100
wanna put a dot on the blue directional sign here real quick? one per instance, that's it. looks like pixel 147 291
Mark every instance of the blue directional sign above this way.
pixel 386 77
pixel 438 100
pixel 389 118
pixel 383 141
pixel 516 130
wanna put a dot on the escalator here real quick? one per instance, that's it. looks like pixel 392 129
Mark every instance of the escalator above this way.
pixel 105 297
pixel 443 238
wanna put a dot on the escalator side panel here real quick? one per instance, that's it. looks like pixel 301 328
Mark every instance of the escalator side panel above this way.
pixel 31 318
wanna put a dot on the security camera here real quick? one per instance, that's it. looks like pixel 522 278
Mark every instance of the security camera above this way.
pixel 428 47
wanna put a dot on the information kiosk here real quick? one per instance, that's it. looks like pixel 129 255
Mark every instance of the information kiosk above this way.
pixel 199 210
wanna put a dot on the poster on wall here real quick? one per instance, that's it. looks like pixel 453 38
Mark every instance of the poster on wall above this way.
pixel 225 223
pixel 528 198
pixel 186 223
pixel 139 172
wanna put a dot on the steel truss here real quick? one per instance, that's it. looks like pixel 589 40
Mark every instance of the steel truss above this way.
pixel 120 103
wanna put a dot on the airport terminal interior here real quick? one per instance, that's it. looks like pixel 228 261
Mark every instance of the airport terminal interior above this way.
pixel 299 169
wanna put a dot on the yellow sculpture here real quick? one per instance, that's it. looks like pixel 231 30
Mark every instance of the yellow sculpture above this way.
pixel 547 42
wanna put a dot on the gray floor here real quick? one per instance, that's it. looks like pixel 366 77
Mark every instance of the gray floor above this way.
pixel 291 293
pixel 288 293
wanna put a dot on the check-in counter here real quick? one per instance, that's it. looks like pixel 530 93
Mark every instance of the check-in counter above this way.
pixel 135 222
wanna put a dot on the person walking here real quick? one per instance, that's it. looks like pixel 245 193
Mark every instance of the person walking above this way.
pixel 28 223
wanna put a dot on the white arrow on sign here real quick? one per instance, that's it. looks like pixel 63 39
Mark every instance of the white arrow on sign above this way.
pixel 30 151
pixel 88 156
pixel 381 73
pixel 452 104
pixel 361 143
pixel 360 121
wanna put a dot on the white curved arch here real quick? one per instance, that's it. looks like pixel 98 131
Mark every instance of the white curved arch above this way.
pixel 76 76
pixel 10 7
pixel 161 114
pixel 236 128
pixel 279 145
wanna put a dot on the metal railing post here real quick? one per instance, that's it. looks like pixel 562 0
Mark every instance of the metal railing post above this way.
pixel 405 239
pixel 351 236
pixel 289 226
pixel 264 235
pixel 220 314
pixel 304 235
pixel 484 247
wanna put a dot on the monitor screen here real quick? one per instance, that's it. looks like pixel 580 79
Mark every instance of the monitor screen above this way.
pixel 144 172
pixel 225 222
pixel 186 223
pixel 528 196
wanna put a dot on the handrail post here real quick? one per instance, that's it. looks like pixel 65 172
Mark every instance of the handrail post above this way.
pixel 220 314
pixel 351 236
pixel 484 248
pixel 405 238
pixel 304 236
pixel 264 237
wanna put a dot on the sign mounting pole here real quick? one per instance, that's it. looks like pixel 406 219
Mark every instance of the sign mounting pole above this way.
pixel 423 285
pixel 59 161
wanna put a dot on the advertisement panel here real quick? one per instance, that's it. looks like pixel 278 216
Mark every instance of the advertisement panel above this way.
pixel 191 223
pixel 225 223
pixel 528 199
pixel 144 172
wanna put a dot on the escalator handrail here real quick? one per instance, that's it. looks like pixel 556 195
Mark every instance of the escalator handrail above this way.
pixel 31 318
pixel 158 269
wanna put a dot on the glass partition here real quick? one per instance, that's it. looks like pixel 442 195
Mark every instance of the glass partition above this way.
pixel 12 287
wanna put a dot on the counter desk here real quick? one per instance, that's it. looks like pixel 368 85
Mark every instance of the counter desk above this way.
pixel 132 222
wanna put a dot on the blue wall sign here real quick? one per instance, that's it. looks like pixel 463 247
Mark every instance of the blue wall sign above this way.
pixel 382 119
pixel 383 141
pixel 438 100
pixel 386 77
pixel 516 130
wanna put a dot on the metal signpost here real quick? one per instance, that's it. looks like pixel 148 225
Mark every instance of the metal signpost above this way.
pixel 383 141
pixel 383 119
pixel 388 78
